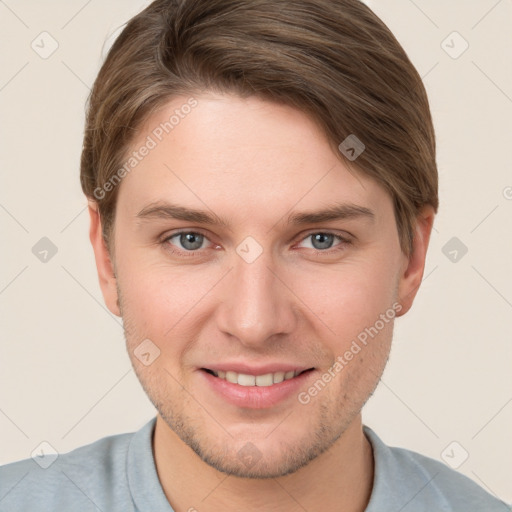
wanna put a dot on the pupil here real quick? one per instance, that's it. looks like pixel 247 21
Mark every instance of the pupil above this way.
pixel 324 240
pixel 195 240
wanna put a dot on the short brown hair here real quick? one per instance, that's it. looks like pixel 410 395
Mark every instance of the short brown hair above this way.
pixel 333 59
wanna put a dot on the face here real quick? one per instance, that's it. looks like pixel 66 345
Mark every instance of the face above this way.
pixel 258 277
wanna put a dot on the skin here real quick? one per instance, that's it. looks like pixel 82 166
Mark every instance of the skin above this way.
pixel 253 163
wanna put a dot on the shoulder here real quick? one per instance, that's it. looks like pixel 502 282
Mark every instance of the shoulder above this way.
pixel 408 481
pixel 77 480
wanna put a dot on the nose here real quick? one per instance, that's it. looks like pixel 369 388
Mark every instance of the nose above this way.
pixel 257 303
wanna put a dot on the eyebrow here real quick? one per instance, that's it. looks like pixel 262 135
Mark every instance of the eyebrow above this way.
pixel 340 211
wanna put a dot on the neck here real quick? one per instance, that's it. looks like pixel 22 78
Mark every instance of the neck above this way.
pixel 339 479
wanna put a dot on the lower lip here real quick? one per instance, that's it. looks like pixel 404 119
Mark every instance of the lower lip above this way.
pixel 256 397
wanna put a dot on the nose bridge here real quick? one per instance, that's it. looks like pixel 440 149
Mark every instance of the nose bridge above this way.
pixel 258 304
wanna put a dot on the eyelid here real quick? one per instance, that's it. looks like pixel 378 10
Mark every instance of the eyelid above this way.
pixel 180 231
pixel 168 236
pixel 344 238
pixel 344 235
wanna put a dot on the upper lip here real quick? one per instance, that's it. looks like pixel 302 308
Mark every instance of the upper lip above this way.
pixel 248 369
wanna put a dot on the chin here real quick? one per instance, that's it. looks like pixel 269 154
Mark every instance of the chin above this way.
pixel 251 455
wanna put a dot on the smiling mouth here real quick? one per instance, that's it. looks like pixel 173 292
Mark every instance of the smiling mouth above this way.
pixel 265 380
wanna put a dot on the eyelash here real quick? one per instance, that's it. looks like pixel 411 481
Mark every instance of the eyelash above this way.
pixel 170 248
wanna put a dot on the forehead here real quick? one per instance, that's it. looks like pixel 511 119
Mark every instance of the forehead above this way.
pixel 242 154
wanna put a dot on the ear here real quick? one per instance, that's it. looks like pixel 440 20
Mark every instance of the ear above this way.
pixel 104 266
pixel 414 266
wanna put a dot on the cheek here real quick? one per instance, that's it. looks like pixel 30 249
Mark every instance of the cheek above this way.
pixel 350 298
pixel 159 299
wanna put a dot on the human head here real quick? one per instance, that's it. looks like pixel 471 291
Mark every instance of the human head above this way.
pixel 334 60
pixel 254 132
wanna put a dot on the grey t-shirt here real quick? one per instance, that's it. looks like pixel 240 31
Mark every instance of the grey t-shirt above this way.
pixel 118 473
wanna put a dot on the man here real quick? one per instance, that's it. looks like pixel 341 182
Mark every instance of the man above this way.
pixel 262 186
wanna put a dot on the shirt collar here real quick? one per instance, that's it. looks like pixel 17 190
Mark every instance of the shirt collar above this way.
pixel 148 495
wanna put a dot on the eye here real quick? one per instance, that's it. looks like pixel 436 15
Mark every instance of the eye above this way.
pixel 189 241
pixel 322 241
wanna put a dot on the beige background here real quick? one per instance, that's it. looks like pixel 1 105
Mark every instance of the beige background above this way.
pixel 65 377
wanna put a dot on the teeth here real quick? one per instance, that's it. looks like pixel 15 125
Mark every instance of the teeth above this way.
pixel 255 380
pixel 232 377
pixel 246 380
pixel 264 380
pixel 278 377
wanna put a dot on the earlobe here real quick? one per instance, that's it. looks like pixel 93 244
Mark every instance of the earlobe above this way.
pixel 104 266
pixel 412 274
